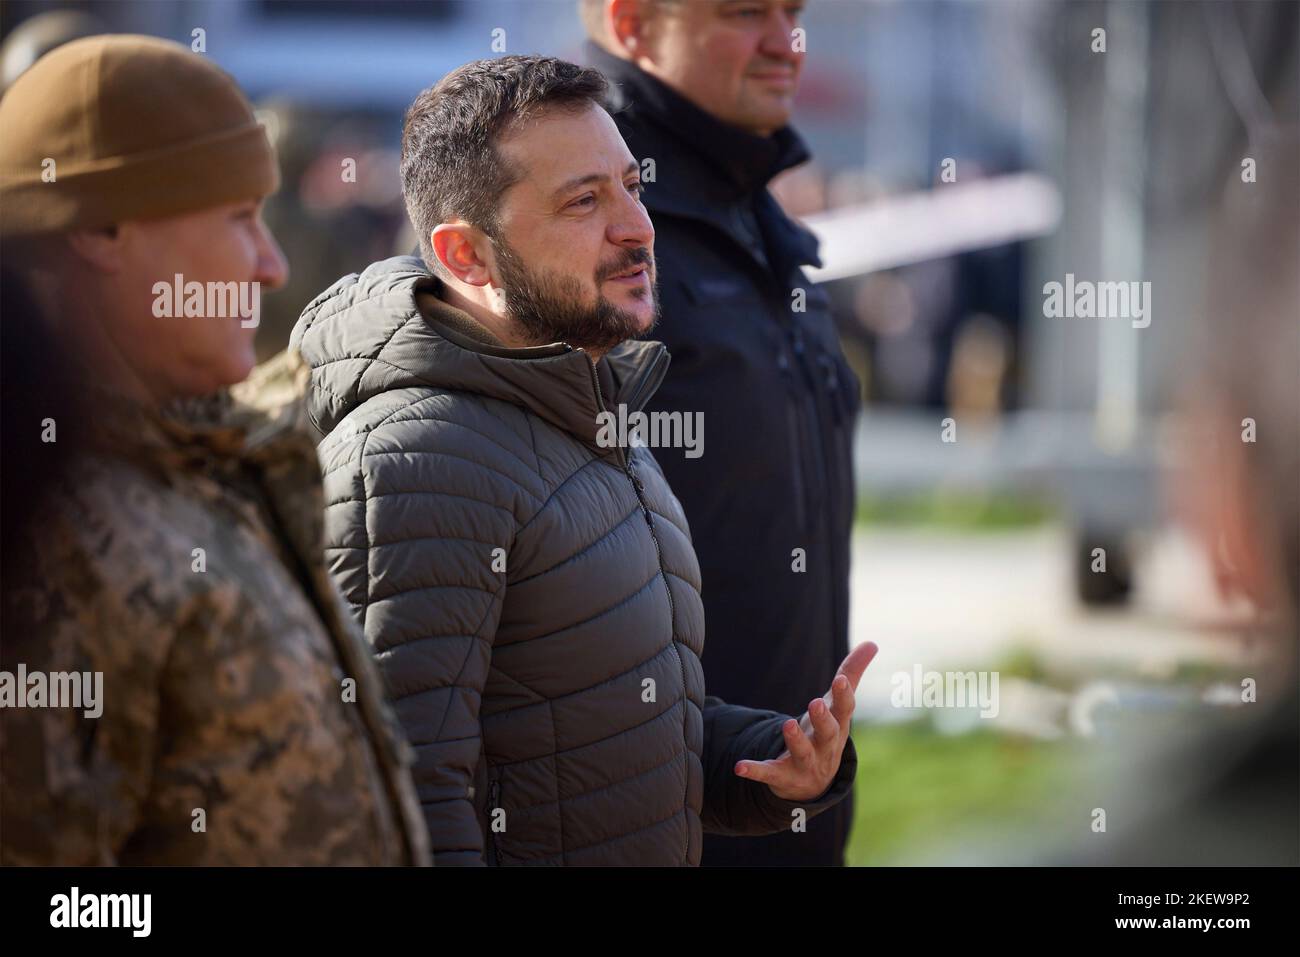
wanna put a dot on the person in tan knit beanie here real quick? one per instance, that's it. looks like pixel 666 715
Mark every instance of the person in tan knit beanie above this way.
pixel 126 161
pixel 180 683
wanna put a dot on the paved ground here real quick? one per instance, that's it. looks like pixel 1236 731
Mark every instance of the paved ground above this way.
pixel 951 600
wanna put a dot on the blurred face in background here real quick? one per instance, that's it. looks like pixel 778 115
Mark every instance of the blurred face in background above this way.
pixel 177 354
pixel 735 59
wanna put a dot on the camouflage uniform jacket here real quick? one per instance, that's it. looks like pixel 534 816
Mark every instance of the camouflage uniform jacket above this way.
pixel 185 563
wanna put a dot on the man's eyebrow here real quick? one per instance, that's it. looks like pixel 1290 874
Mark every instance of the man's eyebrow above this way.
pixel 572 184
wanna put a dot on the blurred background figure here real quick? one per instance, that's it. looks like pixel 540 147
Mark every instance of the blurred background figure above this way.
pixel 967 154
pixel 1188 781
pixel 341 202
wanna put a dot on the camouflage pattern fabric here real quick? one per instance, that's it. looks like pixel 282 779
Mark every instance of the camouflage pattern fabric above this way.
pixel 243 720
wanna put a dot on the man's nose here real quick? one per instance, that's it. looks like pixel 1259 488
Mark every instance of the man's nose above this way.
pixel 777 41
pixel 272 267
pixel 632 227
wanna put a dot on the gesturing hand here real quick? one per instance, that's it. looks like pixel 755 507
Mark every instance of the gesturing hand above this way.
pixel 814 743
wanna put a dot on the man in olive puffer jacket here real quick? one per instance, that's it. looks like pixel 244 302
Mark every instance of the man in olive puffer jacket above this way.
pixel 530 589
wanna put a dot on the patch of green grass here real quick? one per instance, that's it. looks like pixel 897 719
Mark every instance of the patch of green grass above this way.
pixel 916 788
pixel 1021 661
pixel 965 511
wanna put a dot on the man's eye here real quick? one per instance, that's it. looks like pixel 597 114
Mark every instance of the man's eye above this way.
pixel 588 200
pixel 636 188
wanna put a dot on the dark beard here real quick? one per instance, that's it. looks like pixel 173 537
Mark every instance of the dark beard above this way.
pixel 548 307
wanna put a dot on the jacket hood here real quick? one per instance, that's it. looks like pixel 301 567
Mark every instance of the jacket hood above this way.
pixel 367 335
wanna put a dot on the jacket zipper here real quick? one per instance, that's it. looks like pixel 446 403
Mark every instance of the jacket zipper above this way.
pixel 813 423
pixel 639 488
pixel 834 393
pixel 672 618
pixel 794 426
pixel 493 802
pixel 812 420
pixel 830 405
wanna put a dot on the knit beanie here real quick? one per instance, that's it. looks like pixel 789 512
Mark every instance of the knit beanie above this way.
pixel 121 127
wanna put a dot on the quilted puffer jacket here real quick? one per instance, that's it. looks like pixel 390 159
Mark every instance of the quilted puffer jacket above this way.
pixel 531 596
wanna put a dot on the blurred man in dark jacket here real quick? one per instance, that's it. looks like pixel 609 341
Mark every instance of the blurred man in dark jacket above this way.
pixel 706 92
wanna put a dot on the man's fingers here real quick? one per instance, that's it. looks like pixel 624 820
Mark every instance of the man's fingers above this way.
pixel 765 772
pixel 842 700
pixel 824 723
pixel 801 749
pixel 856 663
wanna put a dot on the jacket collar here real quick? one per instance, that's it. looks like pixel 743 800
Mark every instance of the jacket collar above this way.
pixel 557 382
pixel 255 421
pixel 387 328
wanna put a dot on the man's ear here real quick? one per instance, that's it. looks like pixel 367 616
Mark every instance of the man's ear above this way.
pixel 464 251
pixel 625 28
pixel 101 249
